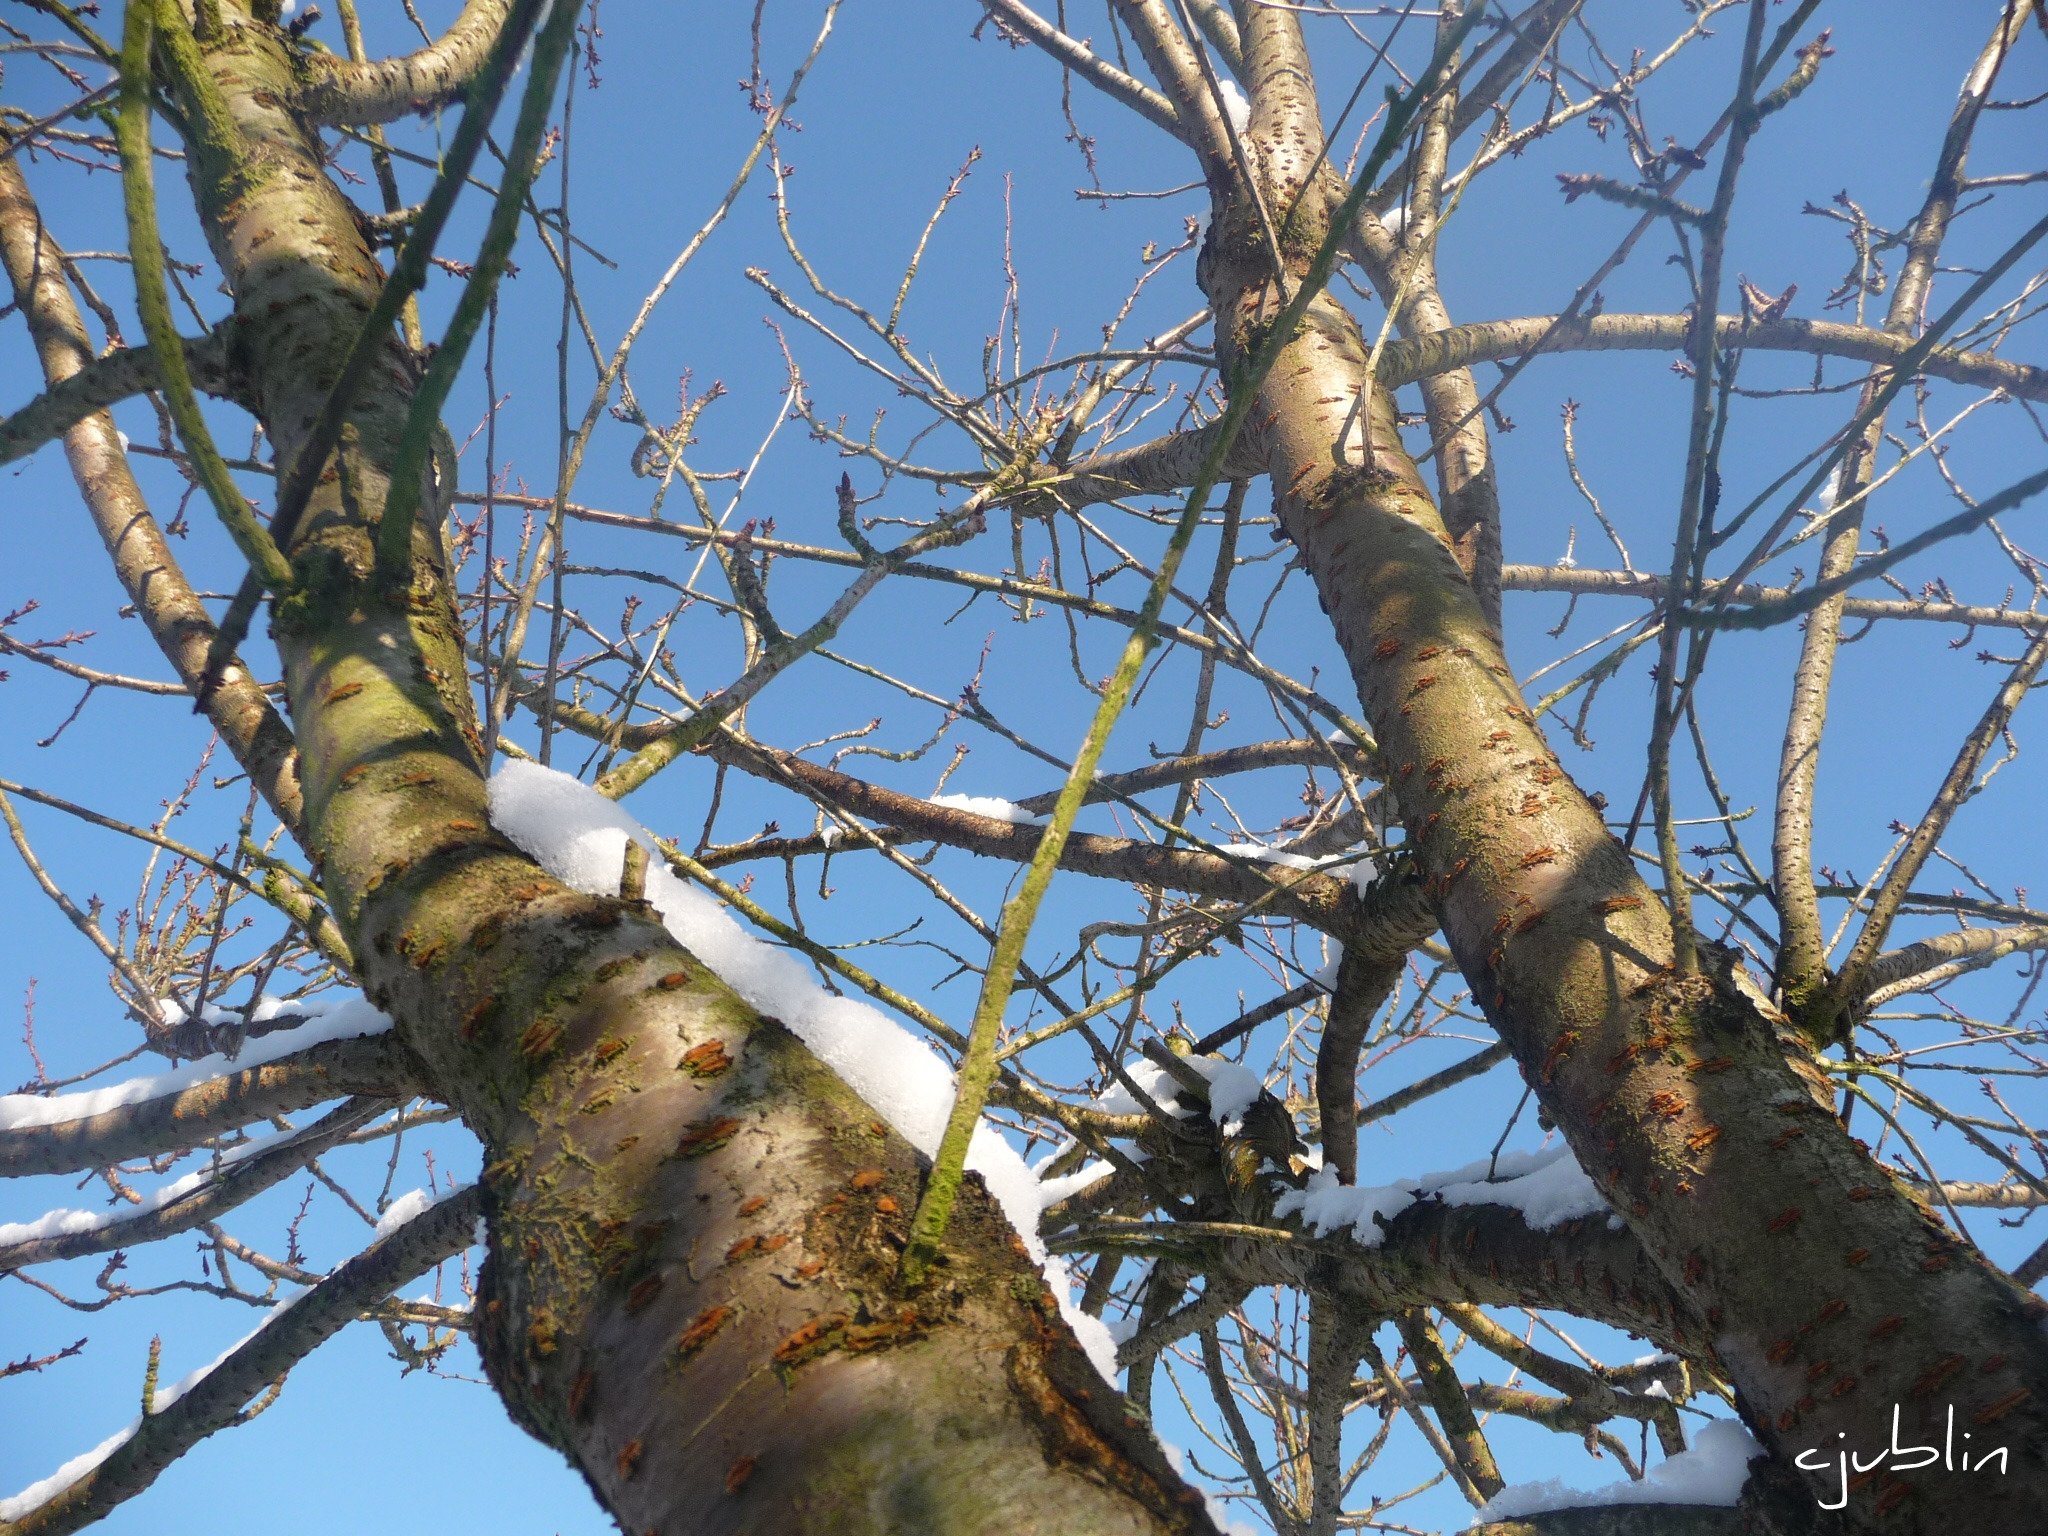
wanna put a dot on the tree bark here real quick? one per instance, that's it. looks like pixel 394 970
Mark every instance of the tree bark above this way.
pixel 691 1286
pixel 1831 1295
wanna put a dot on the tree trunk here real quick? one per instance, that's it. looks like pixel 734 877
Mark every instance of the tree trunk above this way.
pixel 691 1287
pixel 1833 1297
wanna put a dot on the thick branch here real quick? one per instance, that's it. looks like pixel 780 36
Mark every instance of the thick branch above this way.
pixel 338 92
pixel 1927 963
pixel 106 381
pixel 1161 467
pixel 204 1202
pixel 1191 769
pixel 290 1334
pixel 1365 980
pixel 1325 902
pixel 1168 463
pixel 1404 271
pixel 1679 1098
pixel 1802 961
pixel 1014 16
pixel 369 1065
pixel 1957 787
pixel 1403 362
pixel 142 559
pixel 637 1115
pixel 1447 1396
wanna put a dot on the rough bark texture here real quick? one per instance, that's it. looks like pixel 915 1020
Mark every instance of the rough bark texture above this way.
pixel 691 1285
pixel 1830 1293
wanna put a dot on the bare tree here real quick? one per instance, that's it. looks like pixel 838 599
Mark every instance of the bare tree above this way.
pixel 745 1268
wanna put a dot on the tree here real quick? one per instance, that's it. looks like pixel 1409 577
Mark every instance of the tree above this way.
pixel 742 1270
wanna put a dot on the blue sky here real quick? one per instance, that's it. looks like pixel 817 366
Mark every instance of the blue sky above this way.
pixel 900 97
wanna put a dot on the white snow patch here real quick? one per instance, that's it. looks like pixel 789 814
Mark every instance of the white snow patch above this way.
pixel 79 1466
pixel 1235 107
pixel 1327 1206
pixel 547 11
pixel 336 1017
pixel 1711 1473
pixel 64 1223
pixel 1260 853
pixel 990 806
pixel 580 837
pixel 403 1209
pixel 1232 1090
pixel 1547 1187
pixel 1326 976
pixel 1052 1191
pixel 1152 1081
pixel 1831 491
pixel 1356 864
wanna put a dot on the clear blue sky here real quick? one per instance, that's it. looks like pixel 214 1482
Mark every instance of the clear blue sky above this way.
pixel 899 98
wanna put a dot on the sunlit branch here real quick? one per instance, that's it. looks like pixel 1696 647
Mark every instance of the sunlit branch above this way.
pixel 1638 584
pixel 141 556
pixel 235 1182
pixel 107 381
pixel 1928 963
pixel 216 1400
pixel 371 1065
pixel 1498 340
pixel 1015 16
pixel 1957 786
pixel 337 91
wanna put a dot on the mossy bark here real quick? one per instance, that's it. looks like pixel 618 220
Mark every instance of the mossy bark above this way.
pixel 1830 1294
pixel 691 1280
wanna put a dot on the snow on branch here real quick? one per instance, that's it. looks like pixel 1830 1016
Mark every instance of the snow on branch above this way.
pixel 1711 1473
pixel 1547 1187
pixel 239 1174
pixel 211 1398
pixel 580 837
pixel 173 1110
pixel 343 1018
